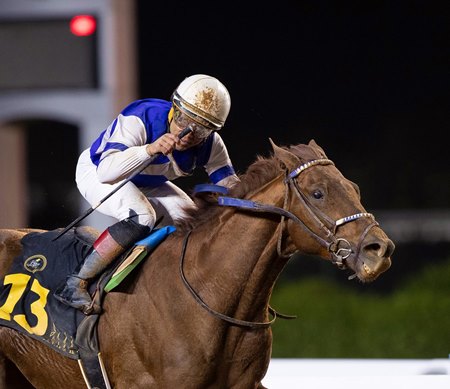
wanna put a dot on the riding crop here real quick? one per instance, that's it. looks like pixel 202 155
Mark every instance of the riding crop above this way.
pixel 182 134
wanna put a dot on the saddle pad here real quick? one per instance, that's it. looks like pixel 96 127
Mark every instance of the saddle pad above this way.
pixel 26 292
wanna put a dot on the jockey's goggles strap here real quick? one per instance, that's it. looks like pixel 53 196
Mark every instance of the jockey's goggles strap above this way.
pixel 170 115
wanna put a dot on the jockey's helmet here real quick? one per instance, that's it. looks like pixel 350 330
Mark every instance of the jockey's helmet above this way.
pixel 204 99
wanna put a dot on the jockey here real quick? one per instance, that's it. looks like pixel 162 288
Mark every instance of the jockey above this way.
pixel 145 129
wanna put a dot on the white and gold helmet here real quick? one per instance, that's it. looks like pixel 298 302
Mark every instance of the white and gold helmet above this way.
pixel 204 99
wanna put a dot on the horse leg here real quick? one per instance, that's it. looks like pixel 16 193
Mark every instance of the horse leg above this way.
pixel 11 377
pixel 2 372
pixel 14 378
pixel 43 367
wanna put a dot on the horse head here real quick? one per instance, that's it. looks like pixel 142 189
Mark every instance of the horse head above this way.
pixel 329 218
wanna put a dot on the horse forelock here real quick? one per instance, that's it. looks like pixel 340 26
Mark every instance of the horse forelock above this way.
pixel 306 152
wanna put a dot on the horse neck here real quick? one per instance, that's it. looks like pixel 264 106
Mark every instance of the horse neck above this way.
pixel 236 257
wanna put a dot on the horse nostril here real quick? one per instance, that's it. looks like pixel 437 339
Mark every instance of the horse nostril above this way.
pixel 373 247
pixel 383 248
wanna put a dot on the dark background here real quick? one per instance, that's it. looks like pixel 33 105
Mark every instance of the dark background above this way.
pixel 368 82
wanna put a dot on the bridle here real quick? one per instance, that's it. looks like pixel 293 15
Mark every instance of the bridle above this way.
pixel 340 248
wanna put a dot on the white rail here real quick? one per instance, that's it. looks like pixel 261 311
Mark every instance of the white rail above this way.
pixel 358 373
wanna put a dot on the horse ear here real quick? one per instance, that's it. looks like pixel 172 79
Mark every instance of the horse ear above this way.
pixel 285 157
pixel 313 144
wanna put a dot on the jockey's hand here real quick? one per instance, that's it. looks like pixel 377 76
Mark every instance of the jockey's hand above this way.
pixel 164 145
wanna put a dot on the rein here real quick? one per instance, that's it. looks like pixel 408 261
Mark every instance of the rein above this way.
pixel 237 322
pixel 229 319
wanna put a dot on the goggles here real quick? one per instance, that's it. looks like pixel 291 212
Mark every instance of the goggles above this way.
pixel 183 121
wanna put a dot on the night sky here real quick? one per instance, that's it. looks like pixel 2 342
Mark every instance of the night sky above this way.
pixel 369 83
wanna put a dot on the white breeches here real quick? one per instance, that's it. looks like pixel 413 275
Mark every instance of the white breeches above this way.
pixel 145 205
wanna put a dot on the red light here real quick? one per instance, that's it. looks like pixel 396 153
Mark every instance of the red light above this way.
pixel 83 25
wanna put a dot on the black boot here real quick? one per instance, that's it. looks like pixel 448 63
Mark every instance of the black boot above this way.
pixel 109 245
pixel 75 293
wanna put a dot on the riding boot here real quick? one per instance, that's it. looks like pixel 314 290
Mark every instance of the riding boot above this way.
pixel 114 241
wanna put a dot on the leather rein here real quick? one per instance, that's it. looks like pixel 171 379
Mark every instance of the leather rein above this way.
pixel 339 248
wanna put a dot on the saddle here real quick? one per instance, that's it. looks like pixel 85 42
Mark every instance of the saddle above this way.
pixel 26 293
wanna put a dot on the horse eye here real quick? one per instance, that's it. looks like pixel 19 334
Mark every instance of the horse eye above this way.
pixel 317 194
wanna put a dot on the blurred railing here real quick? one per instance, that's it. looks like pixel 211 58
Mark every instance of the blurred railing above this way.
pixel 405 226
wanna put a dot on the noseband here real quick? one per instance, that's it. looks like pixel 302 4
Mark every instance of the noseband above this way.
pixel 339 248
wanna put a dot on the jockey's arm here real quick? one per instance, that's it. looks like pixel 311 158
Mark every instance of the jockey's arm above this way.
pixel 118 165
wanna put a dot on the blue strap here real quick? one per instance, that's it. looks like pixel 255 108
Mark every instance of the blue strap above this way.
pixel 258 207
pixel 233 202
pixel 210 188
pixel 155 237
pixel 253 205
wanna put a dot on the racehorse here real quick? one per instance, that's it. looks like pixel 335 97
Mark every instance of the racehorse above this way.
pixel 197 313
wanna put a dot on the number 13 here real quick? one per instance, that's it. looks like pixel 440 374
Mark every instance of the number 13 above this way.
pixel 18 284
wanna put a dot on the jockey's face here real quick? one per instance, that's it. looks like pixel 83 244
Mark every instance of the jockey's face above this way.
pixel 187 141
pixel 197 135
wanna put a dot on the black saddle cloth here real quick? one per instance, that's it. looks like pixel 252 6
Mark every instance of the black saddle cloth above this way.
pixel 26 292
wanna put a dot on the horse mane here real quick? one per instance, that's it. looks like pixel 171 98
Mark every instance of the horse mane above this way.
pixel 260 172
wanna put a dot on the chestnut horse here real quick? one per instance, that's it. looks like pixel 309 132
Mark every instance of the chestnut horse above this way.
pixel 196 314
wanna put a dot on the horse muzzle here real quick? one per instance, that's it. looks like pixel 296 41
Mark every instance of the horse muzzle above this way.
pixel 373 257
